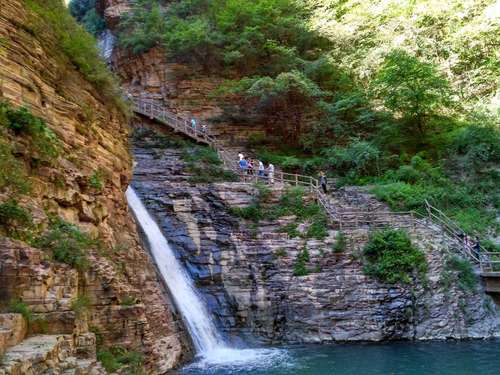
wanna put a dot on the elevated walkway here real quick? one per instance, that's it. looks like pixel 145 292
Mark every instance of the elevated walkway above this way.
pixel 489 263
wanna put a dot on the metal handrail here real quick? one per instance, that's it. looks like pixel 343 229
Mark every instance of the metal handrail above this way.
pixel 336 216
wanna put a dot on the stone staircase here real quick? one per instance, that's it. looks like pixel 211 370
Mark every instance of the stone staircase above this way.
pixel 39 354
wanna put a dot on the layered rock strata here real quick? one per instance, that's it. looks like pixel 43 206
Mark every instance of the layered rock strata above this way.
pixel 93 139
pixel 245 271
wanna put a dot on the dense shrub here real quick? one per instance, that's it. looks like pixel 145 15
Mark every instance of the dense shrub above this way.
pixel 80 305
pixel 205 166
pixel 392 258
pixel 460 272
pixel 66 243
pixel 262 36
pixel 17 306
pixel 22 123
pixel 340 244
pixel 116 357
pixel 300 265
pixel 15 220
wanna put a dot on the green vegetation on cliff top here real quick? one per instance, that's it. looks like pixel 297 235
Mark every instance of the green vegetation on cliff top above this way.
pixel 79 47
pixel 399 94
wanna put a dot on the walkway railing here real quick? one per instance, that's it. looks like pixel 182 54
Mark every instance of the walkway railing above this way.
pixel 489 262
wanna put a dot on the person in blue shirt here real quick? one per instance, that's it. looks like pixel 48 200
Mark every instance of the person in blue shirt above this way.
pixel 193 123
pixel 243 165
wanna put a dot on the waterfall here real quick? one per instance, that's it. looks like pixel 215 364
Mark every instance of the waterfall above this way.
pixel 201 328
pixel 106 44
pixel 213 351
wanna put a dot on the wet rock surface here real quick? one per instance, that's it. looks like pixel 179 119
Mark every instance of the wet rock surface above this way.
pixel 245 272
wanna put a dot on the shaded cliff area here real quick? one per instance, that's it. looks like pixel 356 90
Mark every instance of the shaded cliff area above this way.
pixel 71 260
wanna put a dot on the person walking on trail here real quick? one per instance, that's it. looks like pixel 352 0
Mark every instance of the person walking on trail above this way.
pixel 323 182
pixel 204 128
pixel 261 169
pixel 477 247
pixel 270 173
pixel 193 123
pixel 243 165
pixel 251 167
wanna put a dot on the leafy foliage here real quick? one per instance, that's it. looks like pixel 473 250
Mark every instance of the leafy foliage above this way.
pixel 66 243
pixel 300 265
pixel 205 166
pixel 17 306
pixel 391 257
pixel 15 221
pixel 459 271
pixel 413 89
pixel 77 45
pixel 340 243
pixel 80 305
pixel 84 12
pixel 22 123
pixel 117 357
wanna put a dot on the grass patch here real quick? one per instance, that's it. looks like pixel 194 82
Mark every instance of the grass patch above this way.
pixel 128 301
pixel 458 271
pixel 79 47
pixel 16 306
pixel 205 166
pixel 26 127
pixel 96 181
pixel 300 265
pixel 391 257
pixel 280 253
pixel 80 305
pixel 292 202
pixel 116 358
pixel 66 243
pixel 340 244
pixel 15 221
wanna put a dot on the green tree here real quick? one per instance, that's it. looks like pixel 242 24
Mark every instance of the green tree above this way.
pixel 412 89
pixel 288 97
pixel 144 27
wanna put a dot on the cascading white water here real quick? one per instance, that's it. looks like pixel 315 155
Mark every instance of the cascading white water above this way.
pixel 106 44
pixel 201 327
pixel 209 344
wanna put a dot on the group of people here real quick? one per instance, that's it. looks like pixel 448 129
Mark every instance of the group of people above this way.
pixel 194 125
pixel 254 167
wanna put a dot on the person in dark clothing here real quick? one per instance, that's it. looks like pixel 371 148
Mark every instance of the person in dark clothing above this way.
pixel 477 247
pixel 323 182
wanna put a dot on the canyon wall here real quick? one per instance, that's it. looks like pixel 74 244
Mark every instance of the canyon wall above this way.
pixel 128 305
pixel 246 269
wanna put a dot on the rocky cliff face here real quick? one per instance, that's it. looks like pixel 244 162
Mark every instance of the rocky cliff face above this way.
pixel 246 270
pixel 127 306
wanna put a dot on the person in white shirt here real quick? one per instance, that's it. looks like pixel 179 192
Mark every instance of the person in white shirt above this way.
pixel 270 173
pixel 261 169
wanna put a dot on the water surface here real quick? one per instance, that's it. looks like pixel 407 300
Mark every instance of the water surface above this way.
pixel 406 358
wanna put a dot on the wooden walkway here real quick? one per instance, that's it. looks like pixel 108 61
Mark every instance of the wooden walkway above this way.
pixel 489 262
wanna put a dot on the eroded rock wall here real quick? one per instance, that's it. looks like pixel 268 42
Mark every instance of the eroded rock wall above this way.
pixel 246 271
pixel 93 136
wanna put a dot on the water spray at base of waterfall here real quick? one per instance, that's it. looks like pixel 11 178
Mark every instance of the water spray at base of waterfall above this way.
pixel 212 350
pixel 245 359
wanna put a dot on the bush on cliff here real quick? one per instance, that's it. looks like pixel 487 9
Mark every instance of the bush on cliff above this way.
pixel 67 244
pixel 391 257
pixel 15 221
pixel 77 45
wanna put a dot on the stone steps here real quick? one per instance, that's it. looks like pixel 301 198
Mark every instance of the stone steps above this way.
pixel 46 354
